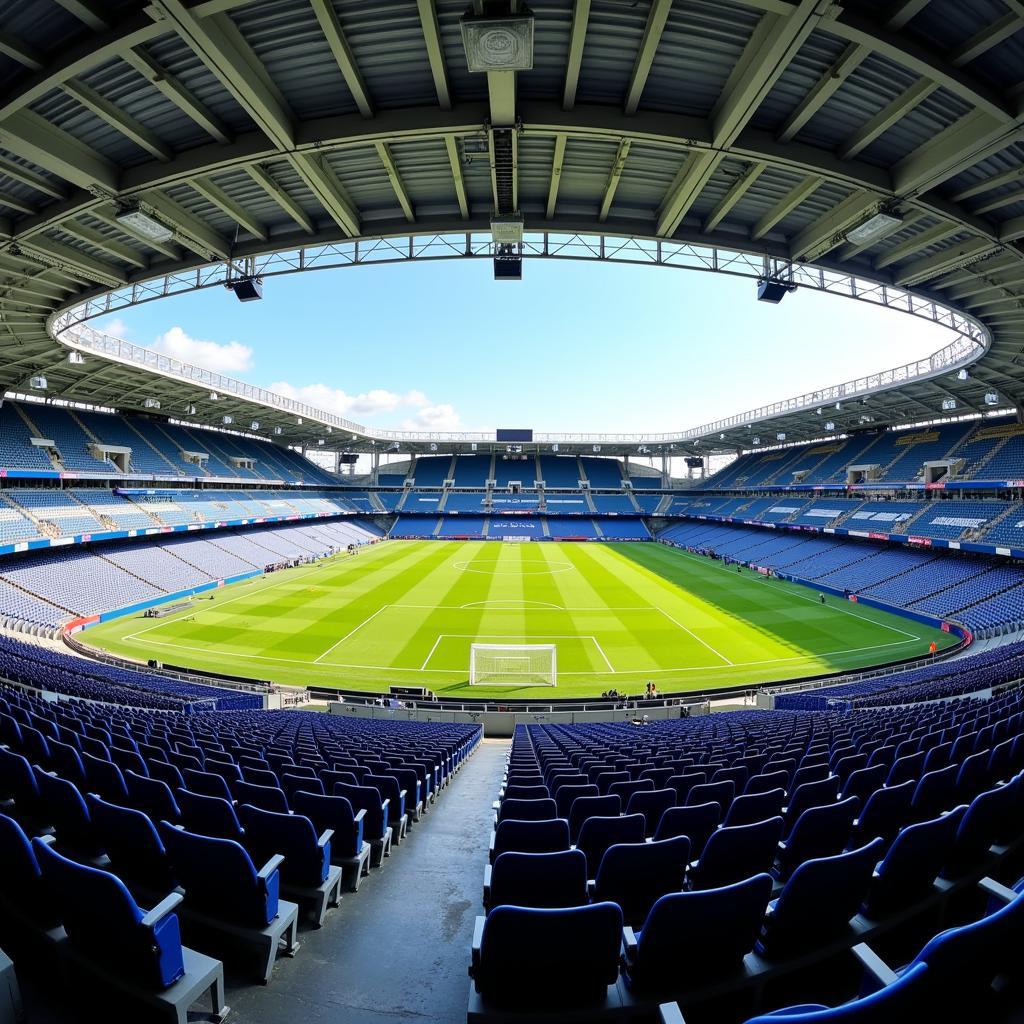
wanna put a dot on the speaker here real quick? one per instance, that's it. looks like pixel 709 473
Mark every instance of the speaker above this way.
pixel 508 268
pixel 247 289
pixel 771 291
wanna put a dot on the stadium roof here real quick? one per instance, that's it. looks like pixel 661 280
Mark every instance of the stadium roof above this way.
pixel 289 130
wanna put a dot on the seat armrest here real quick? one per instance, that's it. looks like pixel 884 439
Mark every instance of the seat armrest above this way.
pixel 162 909
pixel 360 815
pixel 384 807
pixel 591 887
pixel 478 938
pixel 270 867
pixel 629 943
pixel 882 973
pixel 998 891
pixel 402 793
pixel 671 1014
pixel 326 836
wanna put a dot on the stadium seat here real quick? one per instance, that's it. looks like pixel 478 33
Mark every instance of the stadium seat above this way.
pixel 307 874
pixel 636 875
pixel 566 795
pixel 67 813
pixel 527 810
pixel 884 813
pixel 269 798
pixel 550 836
pixel 652 804
pixel 536 880
pixel 153 797
pixel 349 850
pixel 818 832
pixel 376 830
pixel 732 854
pixel 565 957
pixel 697 822
pixel 24 897
pixel 597 834
pixel 754 807
pixel 585 807
pixel 209 815
pixel 226 894
pixel 689 937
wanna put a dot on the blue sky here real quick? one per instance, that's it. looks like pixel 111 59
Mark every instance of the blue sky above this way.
pixel 573 347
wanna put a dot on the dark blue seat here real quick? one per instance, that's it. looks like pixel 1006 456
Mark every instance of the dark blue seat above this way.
pixel 990 818
pixel 973 776
pixel 905 769
pixel 732 854
pixel 22 889
pixel 818 901
pixel 753 807
pixel 126 760
pixel 390 790
pixel 652 805
pixel 884 813
pixel 292 784
pixel 908 870
pixel 818 832
pixel 624 790
pixel 697 822
pixel 862 782
pixel 67 812
pixel 269 798
pixel 766 782
pixel 18 784
pixel 153 797
pixel 636 875
pixel 550 836
pixel 684 783
pixel 597 834
pixel 528 792
pixel 106 925
pixel 66 761
pixel 565 957
pixel 906 999
pixel 528 810
pixel 536 880
pixel 567 794
pixel 260 777
pixel 721 793
pixel 810 794
pixel 208 815
pixel 605 780
pixel 130 839
pixel 585 807
pixel 689 937
pixel 220 879
pixel 206 783
pixel 935 793
pixel 349 848
pixel 166 773
pixel 376 829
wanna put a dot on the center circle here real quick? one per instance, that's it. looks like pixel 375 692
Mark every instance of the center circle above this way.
pixel 523 569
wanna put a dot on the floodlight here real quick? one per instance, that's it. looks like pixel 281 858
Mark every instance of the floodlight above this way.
pixel 255 425
pixel 597 447
pixel 962 375
pixel 76 358
pixel 817 412
pixel 247 289
pixel 830 425
pixel 948 404
pixel 507 230
pixel 278 431
pixel 298 420
pixel 190 410
pixel 143 224
pixel 472 446
pixel 214 396
pixel 433 447
pixel 873 228
pixel 228 420
pixel 38 383
pixel 151 403
pixel 780 436
pixel 991 398
pixel 319 440
pixel 554 447
pixel 756 440
pixel 721 437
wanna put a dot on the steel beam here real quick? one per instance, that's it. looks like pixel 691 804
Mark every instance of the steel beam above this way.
pixel 931 266
pixel 262 177
pixel 435 51
pixel 847 62
pixel 574 58
pixel 736 192
pixel 915 244
pixel 331 28
pixel 396 181
pixel 451 146
pixel 329 192
pixel 210 191
pixel 886 118
pixel 827 232
pixel 120 251
pixel 193 233
pixel 618 164
pixel 657 16
pixel 127 125
pixel 790 201
pixel 18 50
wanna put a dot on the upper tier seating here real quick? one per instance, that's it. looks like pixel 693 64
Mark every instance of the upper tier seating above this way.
pixel 523 470
pixel 70 440
pixel 602 472
pixel 472 470
pixel 15 450
pixel 432 470
pixel 559 471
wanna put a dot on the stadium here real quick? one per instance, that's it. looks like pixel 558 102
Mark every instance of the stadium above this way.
pixel 719 722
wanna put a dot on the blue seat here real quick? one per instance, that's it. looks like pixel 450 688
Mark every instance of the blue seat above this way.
pixel 766 782
pixel 566 795
pixel 884 813
pixel 862 782
pixel 736 853
pixel 153 797
pixel 66 761
pixel 105 778
pixel 292 784
pixel 652 805
pixel 908 870
pixel 973 776
pixel 550 836
pixel 753 807
pixel 528 810
pixel 130 839
pixel 585 807
pixel 810 794
pixel 624 790
pixel 563 957
pixel 990 818
pixel 269 798
pixel 209 815
pixel 906 999
pixel 818 832
pixel 935 793
pixel 818 901
pixel 636 875
pixel 22 889
pixel 106 925
pixel 376 829
pixel 18 784
pixel 390 790
pixel 307 873
pixel 906 769
pixel 349 849
pixel 206 783
pixel 684 783
pixel 536 880
pixel 697 822
pixel 67 812
pixel 597 834
pixel 166 773
pixel 539 792
pixel 721 793
pixel 690 936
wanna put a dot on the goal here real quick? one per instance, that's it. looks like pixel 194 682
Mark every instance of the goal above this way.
pixel 512 665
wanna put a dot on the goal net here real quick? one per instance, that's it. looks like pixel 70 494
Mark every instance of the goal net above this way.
pixel 512 665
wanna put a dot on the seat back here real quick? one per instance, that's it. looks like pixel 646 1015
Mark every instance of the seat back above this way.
pixel 721 793
pixel 208 815
pixel 539 880
pixel 819 832
pixel 864 781
pixel 585 807
pixel 684 783
pixel 66 811
pixel 366 798
pixel 884 813
pixel 652 805
pixel 527 792
pixel 935 793
pixel 696 935
pixel 636 875
pixel 21 880
pixel 811 794
pixel 549 836
pixel 696 822
pixel 751 807
pixel 528 810
pixel 270 798
pixel 333 812
pixel 130 839
pixel 566 796
pixel 597 834
pixel 292 835
pixel 566 956
pixel 206 783
pixel 735 853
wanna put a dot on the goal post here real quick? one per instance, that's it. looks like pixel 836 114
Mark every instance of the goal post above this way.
pixel 512 665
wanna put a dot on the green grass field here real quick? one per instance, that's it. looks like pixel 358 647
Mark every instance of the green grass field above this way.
pixel 619 614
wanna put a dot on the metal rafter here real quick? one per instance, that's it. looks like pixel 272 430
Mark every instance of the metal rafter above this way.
pixel 618 165
pixel 396 181
pixel 331 28
pixel 209 190
pixel 657 16
pixel 435 51
pixel 790 201
pixel 263 178
pixel 827 85
pixel 557 161
pixel 124 123
pixel 574 58
pixel 737 191
pixel 451 146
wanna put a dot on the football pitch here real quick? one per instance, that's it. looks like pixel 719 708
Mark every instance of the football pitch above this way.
pixel 620 615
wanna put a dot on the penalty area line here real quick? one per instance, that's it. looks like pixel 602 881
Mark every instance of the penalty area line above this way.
pixel 334 646
pixel 685 629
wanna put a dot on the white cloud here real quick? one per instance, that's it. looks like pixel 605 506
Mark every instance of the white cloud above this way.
pixel 115 327
pixel 232 357
pixel 423 414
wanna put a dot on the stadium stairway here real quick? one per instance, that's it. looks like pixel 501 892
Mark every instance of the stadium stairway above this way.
pixel 397 949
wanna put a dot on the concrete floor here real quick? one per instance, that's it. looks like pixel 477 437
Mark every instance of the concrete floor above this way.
pixel 399 948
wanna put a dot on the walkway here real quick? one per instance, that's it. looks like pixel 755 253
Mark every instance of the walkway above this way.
pixel 399 948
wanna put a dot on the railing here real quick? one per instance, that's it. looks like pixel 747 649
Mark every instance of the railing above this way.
pixel 69 327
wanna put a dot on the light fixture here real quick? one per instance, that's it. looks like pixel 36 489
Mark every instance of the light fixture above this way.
pixel 554 447
pixel 817 412
pixel 498 44
pixel 839 406
pixel 190 410
pixel 214 396
pixel 298 420
pixel 319 440
pixel 867 419
pixel 472 446
pixel 278 431
pixel 76 358
pixel 143 224
pixel 38 383
pixel 507 230
pixel 873 228
pixel 433 447
pixel 991 398
pixel 597 447
pixel 830 425
pixel 962 375
pixel 246 289
pixel 780 436
pixel 721 437
pixel 756 440
pixel 228 420
pixel 948 404
pixel 151 403
pixel 255 425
